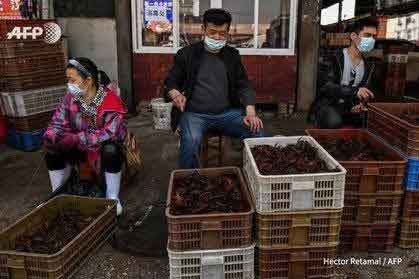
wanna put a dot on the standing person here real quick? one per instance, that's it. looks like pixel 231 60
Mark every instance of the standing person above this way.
pixel 344 80
pixel 210 90
pixel 89 124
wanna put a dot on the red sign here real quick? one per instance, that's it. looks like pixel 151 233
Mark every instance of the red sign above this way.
pixel 9 9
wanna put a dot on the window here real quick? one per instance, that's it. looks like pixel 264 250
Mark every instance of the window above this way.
pixel 265 27
pixel 242 30
pixel 190 17
pixel 157 27
pixel 330 15
pixel 274 24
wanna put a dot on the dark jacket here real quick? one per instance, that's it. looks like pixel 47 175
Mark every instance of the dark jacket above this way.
pixel 330 92
pixel 184 71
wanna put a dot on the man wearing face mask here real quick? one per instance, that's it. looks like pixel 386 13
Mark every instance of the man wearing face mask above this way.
pixel 344 80
pixel 210 90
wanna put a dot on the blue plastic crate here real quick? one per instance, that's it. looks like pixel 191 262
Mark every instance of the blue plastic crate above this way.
pixel 412 174
pixel 25 141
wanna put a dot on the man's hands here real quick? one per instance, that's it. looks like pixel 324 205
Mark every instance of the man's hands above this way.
pixel 359 108
pixel 251 120
pixel 178 99
pixel 365 95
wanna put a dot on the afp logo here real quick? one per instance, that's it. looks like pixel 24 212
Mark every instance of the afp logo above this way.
pixel 50 31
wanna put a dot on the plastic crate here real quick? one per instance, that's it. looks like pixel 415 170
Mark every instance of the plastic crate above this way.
pixel 297 230
pixel 278 193
pixel 210 231
pixel 412 174
pixel 30 123
pixel 368 177
pixel 409 233
pixel 25 141
pixel 65 263
pixel 372 209
pixel 411 205
pixel 32 81
pixel 9 49
pixel 295 263
pixel 367 238
pixel 35 64
pixel 217 264
pixel 385 122
pixel 26 103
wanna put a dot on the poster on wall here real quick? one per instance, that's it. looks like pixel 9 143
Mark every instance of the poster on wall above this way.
pixel 9 9
pixel 158 15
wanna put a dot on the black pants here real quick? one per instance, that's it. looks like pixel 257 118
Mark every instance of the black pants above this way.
pixel 329 117
pixel 111 156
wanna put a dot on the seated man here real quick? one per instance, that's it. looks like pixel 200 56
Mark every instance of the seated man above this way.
pixel 344 80
pixel 209 88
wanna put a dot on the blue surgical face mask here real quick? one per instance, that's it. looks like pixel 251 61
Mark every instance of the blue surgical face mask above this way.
pixel 75 90
pixel 214 44
pixel 366 44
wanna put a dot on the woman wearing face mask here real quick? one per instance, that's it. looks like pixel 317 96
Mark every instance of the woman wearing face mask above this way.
pixel 89 124
pixel 344 80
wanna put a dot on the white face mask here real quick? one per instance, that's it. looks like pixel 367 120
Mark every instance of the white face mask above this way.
pixel 366 44
pixel 75 90
pixel 214 44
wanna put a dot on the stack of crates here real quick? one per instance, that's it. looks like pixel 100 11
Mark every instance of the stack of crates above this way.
pixel 395 57
pixel 3 129
pixel 297 216
pixel 373 194
pixel 388 122
pixel 211 245
pixel 32 85
pixel 3 125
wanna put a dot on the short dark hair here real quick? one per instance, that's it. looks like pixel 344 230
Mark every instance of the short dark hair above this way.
pixel 217 17
pixel 359 25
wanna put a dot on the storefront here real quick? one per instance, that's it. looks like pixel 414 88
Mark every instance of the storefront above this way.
pixel 264 31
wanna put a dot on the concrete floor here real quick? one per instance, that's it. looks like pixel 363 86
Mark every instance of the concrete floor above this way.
pixel 138 250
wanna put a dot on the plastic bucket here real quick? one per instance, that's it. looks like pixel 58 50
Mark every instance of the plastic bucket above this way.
pixel 161 114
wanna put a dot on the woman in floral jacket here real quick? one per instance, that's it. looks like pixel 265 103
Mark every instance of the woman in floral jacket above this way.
pixel 90 125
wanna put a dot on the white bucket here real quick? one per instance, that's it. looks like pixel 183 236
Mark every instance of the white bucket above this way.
pixel 161 114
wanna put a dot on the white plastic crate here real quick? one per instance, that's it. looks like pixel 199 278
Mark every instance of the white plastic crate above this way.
pixel 276 193
pixel 213 264
pixel 30 102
